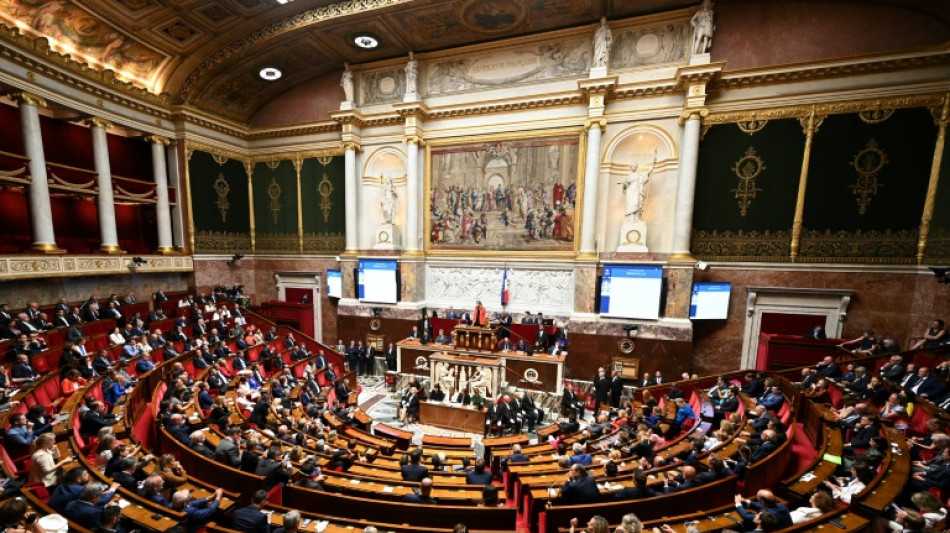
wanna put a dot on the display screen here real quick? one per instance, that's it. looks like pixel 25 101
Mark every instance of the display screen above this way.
pixel 710 301
pixel 630 291
pixel 334 284
pixel 377 281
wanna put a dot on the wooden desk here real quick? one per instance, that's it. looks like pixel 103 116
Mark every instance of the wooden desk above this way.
pixel 452 417
pixel 532 372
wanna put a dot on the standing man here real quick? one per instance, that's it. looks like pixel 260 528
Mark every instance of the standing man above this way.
pixel 616 389
pixel 601 388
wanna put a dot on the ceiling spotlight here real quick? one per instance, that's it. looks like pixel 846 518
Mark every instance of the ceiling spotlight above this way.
pixel 271 73
pixel 366 41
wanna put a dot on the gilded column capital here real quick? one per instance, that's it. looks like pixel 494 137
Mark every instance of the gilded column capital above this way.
pixel 97 122
pixel 697 113
pixel 352 145
pixel 157 139
pixel 29 98
pixel 600 122
pixel 941 113
pixel 410 139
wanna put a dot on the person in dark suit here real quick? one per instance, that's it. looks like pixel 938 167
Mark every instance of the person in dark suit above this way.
pixel 515 457
pixel 228 450
pixel 580 488
pixel 274 470
pixel 391 357
pixel 601 388
pixel 827 368
pixel 73 482
pixel 414 471
pixel 768 446
pixel 926 386
pixel 410 405
pixel 84 511
pixel 616 389
pixel 639 490
pixel 95 419
pixel 541 339
pixel 479 476
pixel 424 496
pixel 251 519
pixel 570 402
pixel 647 380
pixel 817 332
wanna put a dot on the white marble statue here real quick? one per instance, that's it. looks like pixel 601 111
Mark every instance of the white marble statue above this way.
pixel 412 75
pixel 634 188
pixel 703 27
pixel 603 39
pixel 481 381
pixel 388 204
pixel 347 83
pixel 447 378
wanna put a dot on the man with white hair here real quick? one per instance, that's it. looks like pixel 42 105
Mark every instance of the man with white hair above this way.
pixel 199 511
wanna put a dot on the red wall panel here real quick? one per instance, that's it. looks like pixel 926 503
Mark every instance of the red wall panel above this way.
pixel 11 138
pixel 66 143
pixel 130 158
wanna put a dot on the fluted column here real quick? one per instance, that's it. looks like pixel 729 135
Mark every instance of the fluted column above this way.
pixel 412 189
pixel 105 201
pixel 41 213
pixel 686 187
pixel 595 129
pixel 162 212
pixel 175 181
pixel 350 184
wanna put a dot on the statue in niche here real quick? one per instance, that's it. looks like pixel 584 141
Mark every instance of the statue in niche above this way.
pixel 480 381
pixel 703 27
pixel 347 83
pixel 603 39
pixel 412 75
pixel 634 188
pixel 388 204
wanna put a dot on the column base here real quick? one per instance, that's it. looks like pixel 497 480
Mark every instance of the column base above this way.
pixel 587 256
pixel 413 253
pixel 166 250
pixel 45 248
pixel 681 257
pixel 350 253
pixel 111 249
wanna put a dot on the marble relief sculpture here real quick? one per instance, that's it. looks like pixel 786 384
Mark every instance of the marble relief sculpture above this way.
pixel 703 27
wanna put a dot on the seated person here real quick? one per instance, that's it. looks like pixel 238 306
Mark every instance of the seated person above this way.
pixel 442 338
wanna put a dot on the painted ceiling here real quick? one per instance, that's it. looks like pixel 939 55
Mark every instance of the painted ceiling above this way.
pixel 207 53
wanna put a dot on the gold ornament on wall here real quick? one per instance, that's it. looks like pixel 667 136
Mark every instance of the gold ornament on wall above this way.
pixel 325 189
pixel 274 191
pixel 747 168
pixel 752 126
pixel 325 160
pixel 219 159
pixel 875 116
pixel 223 189
pixel 867 163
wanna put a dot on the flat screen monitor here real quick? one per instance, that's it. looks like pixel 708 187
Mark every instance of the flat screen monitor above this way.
pixel 631 291
pixel 334 284
pixel 376 281
pixel 710 301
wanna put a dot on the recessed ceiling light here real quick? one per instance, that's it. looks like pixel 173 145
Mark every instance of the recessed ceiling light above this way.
pixel 284 1
pixel 366 41
pixel 270 73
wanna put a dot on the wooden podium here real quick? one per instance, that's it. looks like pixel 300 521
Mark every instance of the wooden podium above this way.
pixel 475 338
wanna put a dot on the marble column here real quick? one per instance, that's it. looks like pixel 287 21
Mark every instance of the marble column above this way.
pixel 686 189
pixel 412 192
pixel 41 212
pixel 588 247
pixel 174 180
pixel 162 212
pixel 350 185
pixel 108 233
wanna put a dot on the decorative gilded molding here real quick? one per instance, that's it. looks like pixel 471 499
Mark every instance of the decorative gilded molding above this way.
pixel 828 108
pixel 276 242
pixel 323 242
pixel 351 145
pixel 742 79
pixel 274 192
pixel 29 98
pixel 693 113
pixel 938 247
pixel 888 246
pixel 630 92
pixel 328 127
pixel 25 267
pixel 222 241
pixel 867 163
pixel 752 126
pixel 222 189
pixel 600 122
pixel 410 139
pixel 325 189
pixel 217 152
pixel 98 122
pixel 506 107
pixel 875 116
pixel 741 245
pixel 158 139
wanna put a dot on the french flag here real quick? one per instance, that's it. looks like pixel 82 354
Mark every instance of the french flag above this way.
pixel 504 288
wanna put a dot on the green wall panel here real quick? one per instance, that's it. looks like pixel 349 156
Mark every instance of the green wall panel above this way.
pixel 322 198
pixel 872 214
pixel 219 204
pixel 275 207
pixel 938 243
pixel 748 217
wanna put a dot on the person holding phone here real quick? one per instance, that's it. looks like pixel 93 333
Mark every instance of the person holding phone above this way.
pixel 17 517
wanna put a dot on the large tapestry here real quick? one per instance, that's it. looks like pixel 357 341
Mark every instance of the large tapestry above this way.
pixel 517 195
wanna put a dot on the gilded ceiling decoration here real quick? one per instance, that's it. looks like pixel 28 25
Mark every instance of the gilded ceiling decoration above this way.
pixel 206 53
